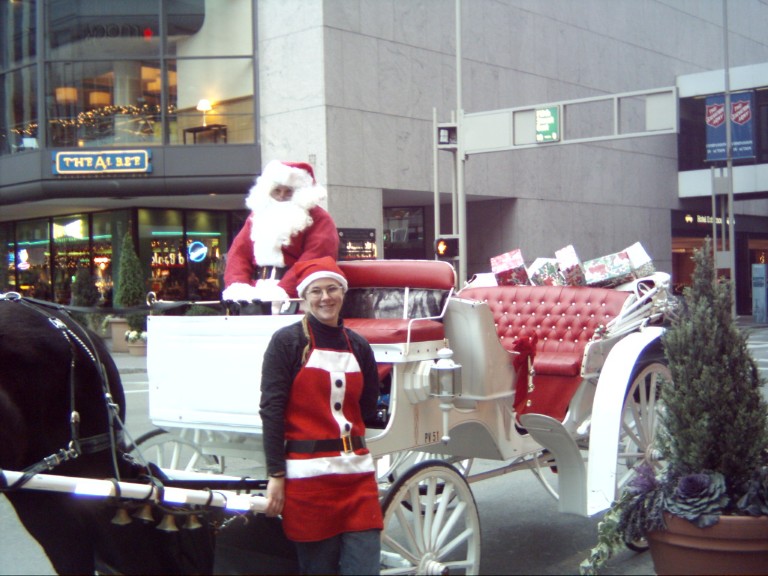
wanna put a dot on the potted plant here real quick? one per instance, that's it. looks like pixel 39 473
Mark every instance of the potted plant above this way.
pixel 131 292
pixel 712 440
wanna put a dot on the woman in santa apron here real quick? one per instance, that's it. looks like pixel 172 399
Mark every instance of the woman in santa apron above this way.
pixel 319 386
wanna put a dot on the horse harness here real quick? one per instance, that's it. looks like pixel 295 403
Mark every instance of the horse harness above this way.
pixel 77 445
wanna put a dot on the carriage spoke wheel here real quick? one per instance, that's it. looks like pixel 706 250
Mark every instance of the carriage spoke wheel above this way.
pixel 639 423
pixel 172 451
pixel 431 524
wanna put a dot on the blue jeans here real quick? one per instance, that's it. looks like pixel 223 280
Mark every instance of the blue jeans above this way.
pixel 350 553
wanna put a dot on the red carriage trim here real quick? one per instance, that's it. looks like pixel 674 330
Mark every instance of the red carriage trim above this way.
pixel 426 274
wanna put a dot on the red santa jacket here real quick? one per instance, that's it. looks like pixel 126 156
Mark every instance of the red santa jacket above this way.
pixel 317 240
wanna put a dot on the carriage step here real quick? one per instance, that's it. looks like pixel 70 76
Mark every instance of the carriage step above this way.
pixel 571 469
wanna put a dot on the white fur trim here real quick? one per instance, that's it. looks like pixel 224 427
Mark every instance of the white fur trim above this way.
pixel 343 464
pixel 239 292
pixel 321 274
pixel 306 193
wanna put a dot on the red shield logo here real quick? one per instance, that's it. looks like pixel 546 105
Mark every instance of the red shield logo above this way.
pixel 715 115
pixel 741 112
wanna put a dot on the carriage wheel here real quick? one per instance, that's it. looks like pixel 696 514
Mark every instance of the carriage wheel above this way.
pixel 173 451
pixel 639 423
pixel 443 535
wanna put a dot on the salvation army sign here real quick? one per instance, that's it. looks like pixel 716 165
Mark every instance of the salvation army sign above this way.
pixel 742 131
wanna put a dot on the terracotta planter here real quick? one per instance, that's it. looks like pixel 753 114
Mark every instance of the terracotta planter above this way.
pixel 137 349
pixel 735 545
pixel 118 327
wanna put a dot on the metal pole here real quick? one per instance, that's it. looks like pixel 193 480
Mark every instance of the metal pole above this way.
pixel 729 160
pixel 460 195
pixel 435 173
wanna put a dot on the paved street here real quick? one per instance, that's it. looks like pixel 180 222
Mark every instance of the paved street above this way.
pixel 522 532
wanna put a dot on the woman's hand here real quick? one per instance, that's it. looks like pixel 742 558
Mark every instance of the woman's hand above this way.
pixel 275 496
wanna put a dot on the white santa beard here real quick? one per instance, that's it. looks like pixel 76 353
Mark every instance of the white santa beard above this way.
pixel 273 225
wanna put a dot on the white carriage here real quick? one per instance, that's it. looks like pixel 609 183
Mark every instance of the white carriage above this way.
pixel 531 377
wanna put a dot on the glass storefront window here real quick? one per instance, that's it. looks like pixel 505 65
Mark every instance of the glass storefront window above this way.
pixel 33 259
pixel 162 251
pixel 205 231
pixel 108 229
pixel 71 250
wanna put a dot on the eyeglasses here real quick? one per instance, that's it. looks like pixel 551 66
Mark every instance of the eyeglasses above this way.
pixel 317 293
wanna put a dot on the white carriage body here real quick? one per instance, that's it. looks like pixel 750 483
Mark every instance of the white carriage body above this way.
pixel 204 373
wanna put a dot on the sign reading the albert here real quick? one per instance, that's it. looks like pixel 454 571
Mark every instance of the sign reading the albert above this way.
pixel 103 162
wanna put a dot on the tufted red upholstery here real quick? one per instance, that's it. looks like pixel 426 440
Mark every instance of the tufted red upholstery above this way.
pixel 561 320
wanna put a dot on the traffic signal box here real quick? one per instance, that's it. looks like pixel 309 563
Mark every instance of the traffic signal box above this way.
pixel 447 247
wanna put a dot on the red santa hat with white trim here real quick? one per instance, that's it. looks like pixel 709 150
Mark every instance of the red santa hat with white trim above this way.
pixel 307 271
pixel 296 175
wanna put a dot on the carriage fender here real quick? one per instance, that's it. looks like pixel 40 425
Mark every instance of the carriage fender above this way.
pixel 606 416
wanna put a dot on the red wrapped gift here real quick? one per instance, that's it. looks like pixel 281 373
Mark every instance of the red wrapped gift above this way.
pixel 570 266
pixel 509 268
pixel 610 270
pixel 545 272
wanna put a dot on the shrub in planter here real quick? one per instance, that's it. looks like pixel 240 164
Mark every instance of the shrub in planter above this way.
pixel 713 437
pixel 131 290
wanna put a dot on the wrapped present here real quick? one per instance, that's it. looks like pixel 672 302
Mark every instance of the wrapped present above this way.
pixel 545 272
pixel 608 271
pixel 509 268
pixel 570 266
pixel 642 265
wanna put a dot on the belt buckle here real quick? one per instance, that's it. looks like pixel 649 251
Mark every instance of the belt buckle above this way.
pixel 346 443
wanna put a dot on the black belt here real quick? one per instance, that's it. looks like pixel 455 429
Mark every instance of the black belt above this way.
pixel 344 444
pixel 265 272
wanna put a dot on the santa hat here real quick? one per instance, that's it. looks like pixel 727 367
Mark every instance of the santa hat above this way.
pixel 307 271
pixel 296 175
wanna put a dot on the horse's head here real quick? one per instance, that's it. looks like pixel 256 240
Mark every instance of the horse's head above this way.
pixel 57 381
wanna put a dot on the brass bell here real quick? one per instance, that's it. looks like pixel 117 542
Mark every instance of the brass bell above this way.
pixel 121 517
pixel 168 524
pixel 145 513
pixel 192 523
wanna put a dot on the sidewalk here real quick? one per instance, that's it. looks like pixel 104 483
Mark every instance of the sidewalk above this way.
pixel 127 363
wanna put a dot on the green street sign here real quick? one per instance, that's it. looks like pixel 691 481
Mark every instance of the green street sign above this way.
pixel 548 124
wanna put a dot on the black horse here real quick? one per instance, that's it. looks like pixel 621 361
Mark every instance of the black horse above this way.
pixel 61 410
pixel 62 407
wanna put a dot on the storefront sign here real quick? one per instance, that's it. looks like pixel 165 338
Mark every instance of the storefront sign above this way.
pixel 197 251
pixel 103 162
pixel 742 126
pixel 357 244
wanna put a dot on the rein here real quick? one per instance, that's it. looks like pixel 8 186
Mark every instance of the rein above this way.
pixel 77 445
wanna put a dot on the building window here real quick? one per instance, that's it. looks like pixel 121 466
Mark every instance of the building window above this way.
pixel 114 78
pixel 404 233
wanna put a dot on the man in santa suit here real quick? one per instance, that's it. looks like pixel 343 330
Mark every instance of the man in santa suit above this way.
pixel 287 224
